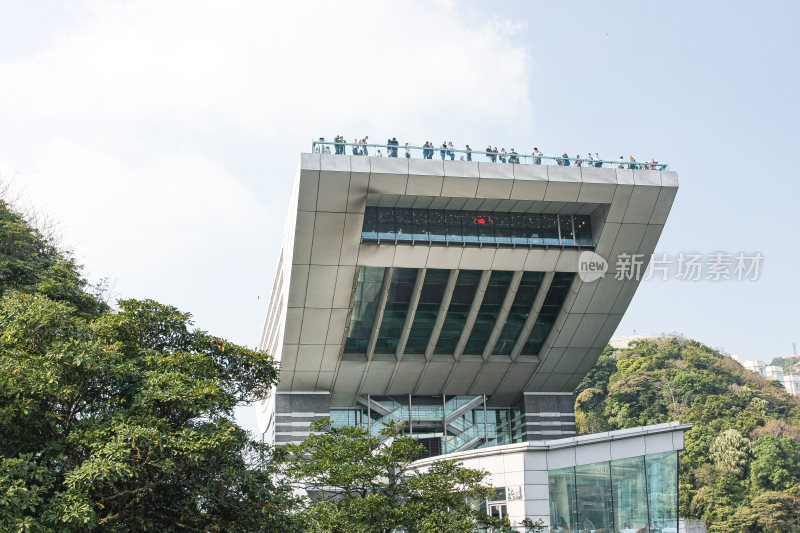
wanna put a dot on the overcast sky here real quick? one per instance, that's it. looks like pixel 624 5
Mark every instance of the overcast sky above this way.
pixel 164 136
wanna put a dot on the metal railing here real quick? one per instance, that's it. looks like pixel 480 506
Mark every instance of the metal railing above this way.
pixel 463 154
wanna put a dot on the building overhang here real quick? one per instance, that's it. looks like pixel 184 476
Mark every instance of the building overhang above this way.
pixel 315 286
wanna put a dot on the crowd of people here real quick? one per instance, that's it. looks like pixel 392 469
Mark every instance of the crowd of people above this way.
pixel 448 151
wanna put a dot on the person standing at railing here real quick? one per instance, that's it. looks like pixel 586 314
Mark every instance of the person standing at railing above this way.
pixel 451 151
pixel 632 164
pixel 597 161
pixel 469 153
pixel 494 154
pixel 513 157
pixel 565 158
pixel 364 143
pixel 489 153
pixel 408 152
pixel 537 156
pixel 355 146
pixel 443 150
pixel 503 155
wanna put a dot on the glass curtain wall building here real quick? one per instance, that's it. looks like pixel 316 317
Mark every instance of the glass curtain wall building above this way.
pixel 625 495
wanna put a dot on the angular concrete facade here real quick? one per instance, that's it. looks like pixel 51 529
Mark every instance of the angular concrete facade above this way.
pixel 323 251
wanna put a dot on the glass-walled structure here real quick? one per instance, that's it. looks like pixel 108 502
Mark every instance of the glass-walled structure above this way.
pixel 442 226
pixel 444 424
pixel 626 495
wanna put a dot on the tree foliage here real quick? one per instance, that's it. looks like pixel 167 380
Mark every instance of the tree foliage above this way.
pixel 731 481
pixel 357 484
pixel 120 420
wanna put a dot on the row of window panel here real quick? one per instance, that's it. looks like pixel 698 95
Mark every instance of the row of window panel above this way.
pixel 441 225
pixel 400 293
pixel 625 495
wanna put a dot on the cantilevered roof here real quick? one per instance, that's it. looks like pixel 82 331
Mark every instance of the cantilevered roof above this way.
pixel 444 317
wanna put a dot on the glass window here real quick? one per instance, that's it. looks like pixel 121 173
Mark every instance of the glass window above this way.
pixel 518 314
pixel 662 491
pixel 630 494
pixel 437 224
pixel 404 224
pixel 365 305
pixel 559 288
pixel 386 223
pixel 394 314
pixel 593 496
pixel 549 234
pixel 563 508
pixel 565 225
pixel 430 298
pixel 501 228
pixel 419 221
pixel 583 230
pixel 454 230
pixel 370 228
pixel 475 227
pixel 463 293
pixel 487 314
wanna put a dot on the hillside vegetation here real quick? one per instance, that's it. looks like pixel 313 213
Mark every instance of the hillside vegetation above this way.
pixel 740 470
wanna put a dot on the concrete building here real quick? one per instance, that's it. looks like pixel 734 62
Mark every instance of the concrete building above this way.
pixel 773 373
pixel 755 366
pixel 448 295
pixel 792 384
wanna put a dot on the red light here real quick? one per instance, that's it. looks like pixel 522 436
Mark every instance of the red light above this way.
pixel 481 221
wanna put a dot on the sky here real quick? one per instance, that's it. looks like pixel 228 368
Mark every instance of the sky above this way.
pixel 163 137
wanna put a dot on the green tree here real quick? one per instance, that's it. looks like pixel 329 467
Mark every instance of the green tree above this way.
pixel 776 466
pixel 730 452
pixel 357 484
pixel 122 420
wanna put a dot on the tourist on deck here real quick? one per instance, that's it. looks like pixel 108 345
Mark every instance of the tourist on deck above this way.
pixel 597 161
pixel 327 150
pixel 355 147
pixel 621 162
pixel 494 156
pixel 469 153
pixel 632 164
pixel 537 156
pixel 364 143
pixel 566 159
pixel 578 161
pixel 379 154
pixel 451 151
pixel 395 146
pixel 489 153
pixel 408 152
pixel 443 150
pixel 503 155
pixel 513 157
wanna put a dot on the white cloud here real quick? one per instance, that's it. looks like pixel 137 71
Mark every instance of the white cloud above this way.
pixel 140 216
pixel 267 66
pixel 137 125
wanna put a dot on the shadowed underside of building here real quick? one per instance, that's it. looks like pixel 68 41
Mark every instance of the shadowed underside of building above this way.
pixel 445 295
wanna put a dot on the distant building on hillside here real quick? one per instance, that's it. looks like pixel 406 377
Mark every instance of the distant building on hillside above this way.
pixel 773 373
pixel 623 341
pixel 792 384
pixel 755 366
